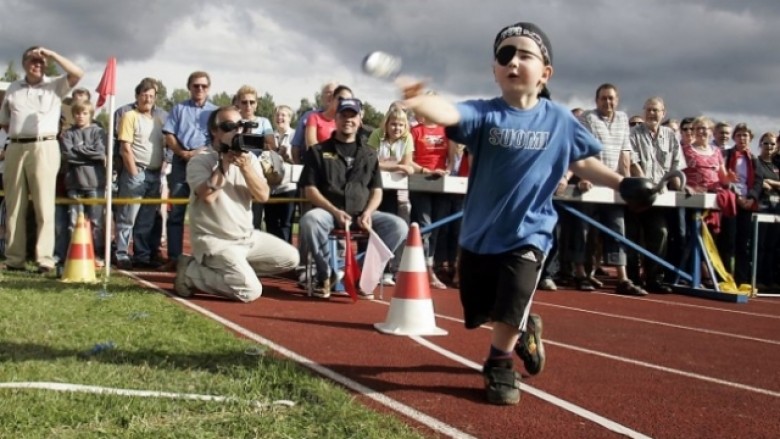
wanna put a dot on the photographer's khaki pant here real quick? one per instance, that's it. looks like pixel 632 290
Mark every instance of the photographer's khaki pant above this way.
pixel 233 272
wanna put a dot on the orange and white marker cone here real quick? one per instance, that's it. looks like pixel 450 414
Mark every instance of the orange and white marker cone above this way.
pixel 411 309
pixel 80 263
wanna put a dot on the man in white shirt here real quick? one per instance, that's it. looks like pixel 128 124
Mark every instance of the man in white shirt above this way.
pixel 228 253
pixel 30 113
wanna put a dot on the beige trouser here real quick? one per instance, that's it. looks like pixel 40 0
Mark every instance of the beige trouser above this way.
pixel 233 272
pixel 30 171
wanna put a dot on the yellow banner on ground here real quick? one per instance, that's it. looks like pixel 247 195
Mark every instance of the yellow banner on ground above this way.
pixel 727 285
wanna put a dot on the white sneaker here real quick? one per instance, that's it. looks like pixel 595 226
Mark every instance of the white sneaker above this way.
pixel 387 280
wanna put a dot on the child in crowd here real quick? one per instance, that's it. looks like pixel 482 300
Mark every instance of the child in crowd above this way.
pixel 394 145
pixel 84 157
pixel 521 144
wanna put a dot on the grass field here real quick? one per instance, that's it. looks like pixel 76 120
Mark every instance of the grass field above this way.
pixel 49 331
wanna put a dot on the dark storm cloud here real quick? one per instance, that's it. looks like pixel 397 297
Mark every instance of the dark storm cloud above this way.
pixel 93 29
pixel 701 57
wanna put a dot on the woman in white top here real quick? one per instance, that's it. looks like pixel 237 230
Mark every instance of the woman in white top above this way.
pixel 278 216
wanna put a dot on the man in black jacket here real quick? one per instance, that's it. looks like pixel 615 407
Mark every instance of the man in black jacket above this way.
pixel 341 179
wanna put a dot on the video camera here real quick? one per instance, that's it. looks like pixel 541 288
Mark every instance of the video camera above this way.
pixel 243 142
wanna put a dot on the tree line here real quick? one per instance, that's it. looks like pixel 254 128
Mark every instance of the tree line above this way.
pixel 265 103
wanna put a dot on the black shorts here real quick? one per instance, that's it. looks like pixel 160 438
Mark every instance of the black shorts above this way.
pixel 500 287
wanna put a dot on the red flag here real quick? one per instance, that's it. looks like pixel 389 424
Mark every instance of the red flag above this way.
pixel 351 268
pixel 107 86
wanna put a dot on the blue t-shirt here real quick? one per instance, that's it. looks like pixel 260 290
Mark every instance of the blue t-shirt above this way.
pixel 518 158
pixel 263 126
pixel 299 139
pixel 189 123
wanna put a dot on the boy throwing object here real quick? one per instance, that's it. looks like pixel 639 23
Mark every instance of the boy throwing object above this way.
pixel 521 145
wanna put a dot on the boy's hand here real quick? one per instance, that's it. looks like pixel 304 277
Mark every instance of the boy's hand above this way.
pixel 410 87
pixel 561 189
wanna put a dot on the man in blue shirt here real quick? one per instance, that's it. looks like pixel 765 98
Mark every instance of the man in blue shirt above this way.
pixel 186 134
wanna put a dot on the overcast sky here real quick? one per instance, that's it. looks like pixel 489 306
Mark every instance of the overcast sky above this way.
pixel 718 58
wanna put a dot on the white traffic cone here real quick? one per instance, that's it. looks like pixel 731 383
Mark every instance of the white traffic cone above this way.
pixel 411 309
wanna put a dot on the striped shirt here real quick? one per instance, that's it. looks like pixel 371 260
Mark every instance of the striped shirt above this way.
pixel 613 135
pixel 656 155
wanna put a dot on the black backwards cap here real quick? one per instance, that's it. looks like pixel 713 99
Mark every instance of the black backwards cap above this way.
pixel 529 30
pixel 532 31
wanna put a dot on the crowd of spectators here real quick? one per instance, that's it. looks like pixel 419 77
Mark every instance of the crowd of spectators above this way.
pixel 154 147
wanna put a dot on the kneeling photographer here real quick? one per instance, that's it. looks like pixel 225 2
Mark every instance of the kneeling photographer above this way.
pixel 228 254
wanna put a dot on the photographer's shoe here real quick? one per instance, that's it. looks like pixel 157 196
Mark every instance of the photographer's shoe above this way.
pixel 180 282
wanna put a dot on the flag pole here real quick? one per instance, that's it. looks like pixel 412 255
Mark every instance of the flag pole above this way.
pixel 107 89
pixel 109 188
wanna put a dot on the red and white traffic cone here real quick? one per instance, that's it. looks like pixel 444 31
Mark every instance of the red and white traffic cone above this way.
pixel 411 308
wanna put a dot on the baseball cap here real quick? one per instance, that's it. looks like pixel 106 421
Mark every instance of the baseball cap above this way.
pixel 530 30
pixel 349 104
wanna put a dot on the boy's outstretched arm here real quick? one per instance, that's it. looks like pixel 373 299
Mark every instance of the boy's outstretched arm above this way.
pixel 594 170
pixel 433 108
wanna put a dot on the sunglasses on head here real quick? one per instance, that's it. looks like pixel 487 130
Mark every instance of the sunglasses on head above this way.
pixel 202 86
pixel 505 54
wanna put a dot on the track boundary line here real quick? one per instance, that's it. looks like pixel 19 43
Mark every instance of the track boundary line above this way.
pixel 378 397
pixel 690 305
pixel 656 322
pixel 667 369
pixel 544 396
pixel 640 363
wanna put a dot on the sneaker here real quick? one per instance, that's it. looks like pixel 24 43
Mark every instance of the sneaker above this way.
pixel 630 289
pixel 180 282
pixel 169 266
pixel 124 264
pixel 45 269
pixel 387 280
pixel 530 348
pixel 583 284
pixel 149 265
pixel 502 383
pixel 321 289
pixel 99 263
pixel 547 284
pixel 7 267
pixel 658 288
pixel 362 295
pixel 595 282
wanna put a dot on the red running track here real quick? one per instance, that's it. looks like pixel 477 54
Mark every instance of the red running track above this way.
pixel 664 366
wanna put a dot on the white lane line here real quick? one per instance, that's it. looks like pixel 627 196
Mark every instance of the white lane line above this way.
pixel 691 305
pixel 554 400
pixel 100 390
pixel 667 369
pixel 643 364
pixel 657 323
pixel 404 409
